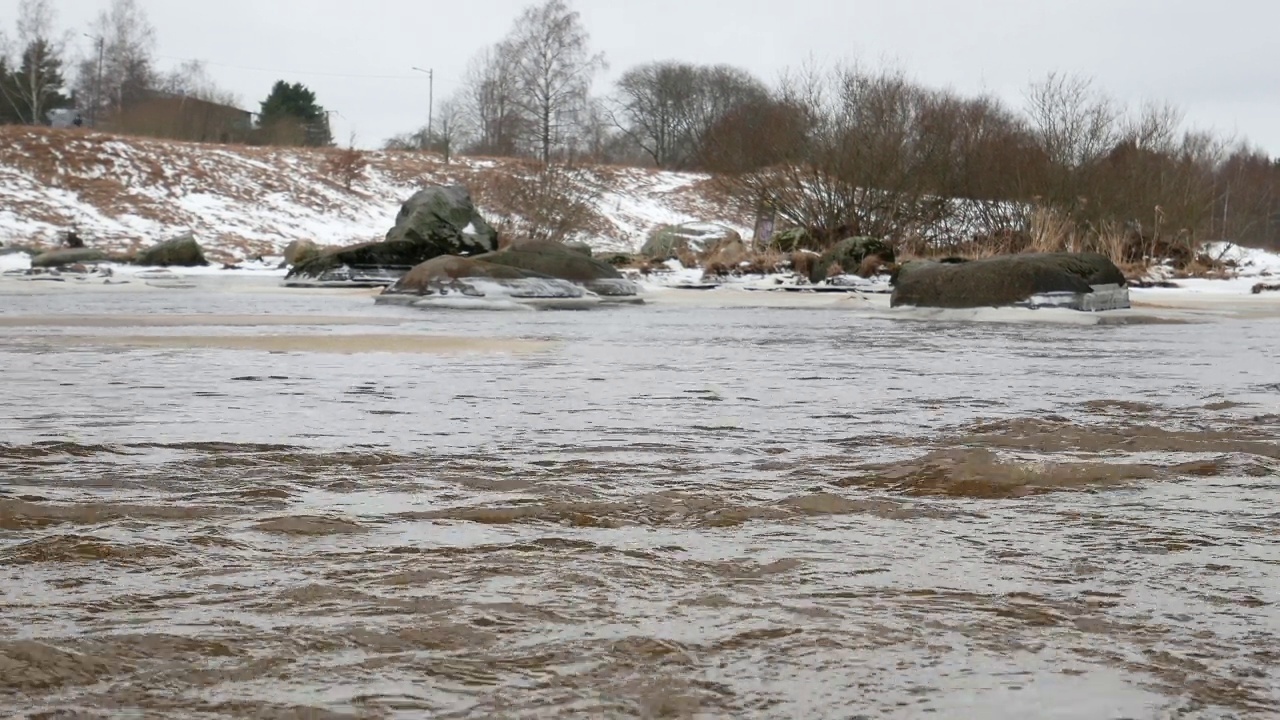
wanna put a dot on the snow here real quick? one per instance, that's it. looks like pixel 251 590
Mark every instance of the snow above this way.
pixel 240 202
pixel 14 261
pixel 1250 262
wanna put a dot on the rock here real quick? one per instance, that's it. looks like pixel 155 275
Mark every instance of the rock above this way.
pixel 1264 287
pixel 850 254
pixel 300 251
pixel 181 251
pixel 437 221
pixel 580 247
pixel 1002 280
pixel 70 256
pixel 446 216
pixel 454 281
pixel 525 270
pixel 556 260
pixel 670 241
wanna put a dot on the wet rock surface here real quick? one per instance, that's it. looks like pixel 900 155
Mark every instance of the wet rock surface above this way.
pixel 541 270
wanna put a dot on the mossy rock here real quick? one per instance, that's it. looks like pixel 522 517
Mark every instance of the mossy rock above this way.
pixel 435 222
pixel 181 251
pixel 999 281
pixel 552 259
pixel 444 215
pixel 670 241
pixel 68 256
pixel 580 247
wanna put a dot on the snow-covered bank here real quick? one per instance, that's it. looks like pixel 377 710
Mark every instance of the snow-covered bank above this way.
pixel 121 194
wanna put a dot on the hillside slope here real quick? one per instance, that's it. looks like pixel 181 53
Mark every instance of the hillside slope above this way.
pixel 124 193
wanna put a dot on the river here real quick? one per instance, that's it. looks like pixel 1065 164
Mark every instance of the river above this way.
pixel 217 505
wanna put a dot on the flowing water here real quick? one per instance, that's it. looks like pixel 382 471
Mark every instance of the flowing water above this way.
pixel 666 511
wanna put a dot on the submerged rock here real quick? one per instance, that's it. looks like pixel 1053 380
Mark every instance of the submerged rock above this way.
pixel 548 258
pixel 437 221
pixel 458 282
pixel 1048 278
pixel 69 256
pixel 181 251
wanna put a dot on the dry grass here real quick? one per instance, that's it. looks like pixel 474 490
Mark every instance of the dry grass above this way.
pixel 1049 231
pixel 346 166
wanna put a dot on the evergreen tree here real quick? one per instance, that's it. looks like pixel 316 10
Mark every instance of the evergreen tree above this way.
pixel 290 115
pixel 9 114
pixel 38 85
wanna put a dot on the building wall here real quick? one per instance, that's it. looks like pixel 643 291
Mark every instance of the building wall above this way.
pixel 181 118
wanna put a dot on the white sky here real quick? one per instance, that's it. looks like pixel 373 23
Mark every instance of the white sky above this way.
pixel 1216 61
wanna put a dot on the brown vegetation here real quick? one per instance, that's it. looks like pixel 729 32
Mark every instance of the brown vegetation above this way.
pixel 346 166
pixel 936 173
pixel 538 201
pixel 181 118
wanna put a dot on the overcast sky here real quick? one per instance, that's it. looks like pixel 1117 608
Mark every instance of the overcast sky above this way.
pixel 1215 60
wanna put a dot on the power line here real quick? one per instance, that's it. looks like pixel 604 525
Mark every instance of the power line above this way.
pixel 292 72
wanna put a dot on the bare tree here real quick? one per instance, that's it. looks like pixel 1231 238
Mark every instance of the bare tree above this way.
pixel 487 101
pixel 652 107
pixel 35 85
pixel 1076 124
pixel 127 42
pixel 451 130
pixel 191 79
pixel 553 70
pixel 668 108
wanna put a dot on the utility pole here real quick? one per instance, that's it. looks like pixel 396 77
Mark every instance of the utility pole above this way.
pixel 431 91
pixel 97 83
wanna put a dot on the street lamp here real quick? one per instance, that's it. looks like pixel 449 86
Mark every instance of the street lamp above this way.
pixel 97 83
pixel 431 89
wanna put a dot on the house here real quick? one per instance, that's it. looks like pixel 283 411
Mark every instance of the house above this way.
pixel 181 117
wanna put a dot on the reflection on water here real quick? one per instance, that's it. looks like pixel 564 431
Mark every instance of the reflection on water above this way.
pixel 666 512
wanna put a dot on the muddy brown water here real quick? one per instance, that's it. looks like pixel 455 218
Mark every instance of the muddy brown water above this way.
pixel 643 512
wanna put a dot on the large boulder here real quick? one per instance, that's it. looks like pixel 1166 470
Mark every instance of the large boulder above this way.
pixel 300 251
pixel 671 241
pixel 67 256
pixel 557 260
pixel 850 254
pixel 1000 281
pixel 437 221
pixel 580 247
pixel 446 217
pixel 181 251
pixel 453 281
